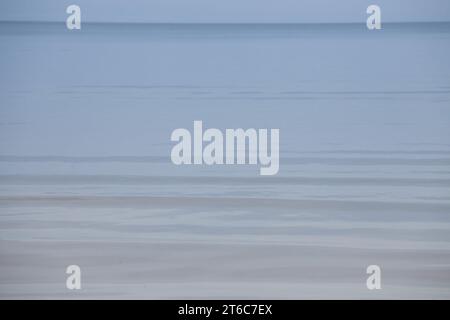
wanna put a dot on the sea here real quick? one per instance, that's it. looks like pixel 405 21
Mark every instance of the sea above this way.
pixel 86 176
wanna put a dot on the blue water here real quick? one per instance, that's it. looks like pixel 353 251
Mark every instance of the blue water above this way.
pixel 364 119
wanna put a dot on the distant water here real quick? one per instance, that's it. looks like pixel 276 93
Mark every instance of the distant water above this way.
pixel 86 176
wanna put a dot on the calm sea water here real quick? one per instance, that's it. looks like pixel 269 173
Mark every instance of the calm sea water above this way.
pixel 86 176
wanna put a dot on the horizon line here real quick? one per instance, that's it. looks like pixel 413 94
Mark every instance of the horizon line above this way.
pixel 221 23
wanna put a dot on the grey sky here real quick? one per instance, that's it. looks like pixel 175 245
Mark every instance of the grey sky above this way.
pixel 226 10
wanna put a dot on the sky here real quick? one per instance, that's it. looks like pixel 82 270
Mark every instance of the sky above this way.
pixel 252 11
